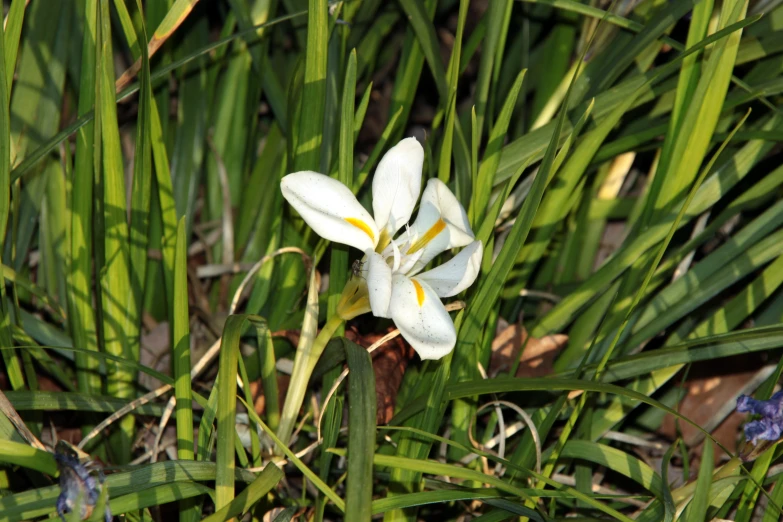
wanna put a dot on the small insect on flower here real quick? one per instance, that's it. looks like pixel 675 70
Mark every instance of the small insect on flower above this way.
pixel 80 479
pixel 356 268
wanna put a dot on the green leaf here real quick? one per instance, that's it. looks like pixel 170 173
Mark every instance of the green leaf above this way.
pixel 361 433
pixel 119 303
pixel 250 496
pixel 313 98
pixel 425 33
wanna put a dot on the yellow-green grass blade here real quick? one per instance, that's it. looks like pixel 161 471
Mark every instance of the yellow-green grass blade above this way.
pixel 230 129
pixel 532 145
pixel 206 431
pixel 776 496
pixel 227 409
pixel 301 466
pixel 619 57
pixel 408 73
pixel 425 33
pixel 727 175
pixel 438 496
pixel 80 290
pixel 250 496
pixel 689 73
pixel 119 305
pixel 255 440
pixel 35 108
pixel 31 159
pixel 53 234
pixel 180 356
pixel 607 354
pixel 449 470
pixel 446 144
pixel 26 456
pixel 697 507
pixel 47 363
pixel 34 113
pixel 685 149
pixel 430 389
pixel 313 100
pixel 705 348
pixel 338 271
pixel 142 482
pixel 361 433
pixel 616 460
pixel 141 188
pixel 491 158
pixel 494 17
pixel 12 32
pixel 6 338
pixel 129 32
pixel 183 491
pixel 489 290
pixel 554 206
pixel 166 200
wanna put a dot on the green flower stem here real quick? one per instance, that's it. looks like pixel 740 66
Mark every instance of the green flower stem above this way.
pixel 304 363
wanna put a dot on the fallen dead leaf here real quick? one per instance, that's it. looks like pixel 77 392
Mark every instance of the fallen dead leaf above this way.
pixel 534 361
pixel 389 363
pixel 704 395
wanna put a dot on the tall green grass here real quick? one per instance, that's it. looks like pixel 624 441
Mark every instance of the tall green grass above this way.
pixel 141 149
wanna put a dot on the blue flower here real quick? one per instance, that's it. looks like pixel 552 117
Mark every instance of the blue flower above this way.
pixel 78 480
pixel 770 425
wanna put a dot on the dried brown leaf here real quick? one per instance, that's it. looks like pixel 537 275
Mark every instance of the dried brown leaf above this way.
pixel 534 361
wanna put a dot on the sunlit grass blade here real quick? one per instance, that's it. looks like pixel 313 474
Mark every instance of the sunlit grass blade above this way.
pixel 227 409
pixel 6 338
pixel 697 507
pixel 119 305
pixel 314 91
pixel 180 355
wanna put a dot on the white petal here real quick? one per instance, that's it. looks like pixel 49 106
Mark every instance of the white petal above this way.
pixel 456 275
pixel 397 184
pixel 441 224
pixel 421 317
pixel 330 209
pixel 396 256
pixel 379 283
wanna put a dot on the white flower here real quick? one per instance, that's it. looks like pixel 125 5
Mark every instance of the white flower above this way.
pixel 396 288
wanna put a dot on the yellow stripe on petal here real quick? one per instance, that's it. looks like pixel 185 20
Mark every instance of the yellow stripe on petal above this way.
pixel 419 292
pixel 361 225
pixel 428 236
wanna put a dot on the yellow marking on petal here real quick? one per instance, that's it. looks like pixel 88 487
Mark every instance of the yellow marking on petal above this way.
pixel 419 292
pixel 361 225
pixel 428 236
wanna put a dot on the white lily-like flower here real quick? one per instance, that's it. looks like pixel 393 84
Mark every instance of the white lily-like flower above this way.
pixel 391 268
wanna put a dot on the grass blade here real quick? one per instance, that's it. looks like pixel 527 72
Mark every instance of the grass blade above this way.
pixel 361 433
